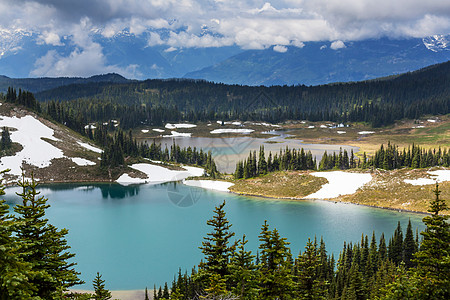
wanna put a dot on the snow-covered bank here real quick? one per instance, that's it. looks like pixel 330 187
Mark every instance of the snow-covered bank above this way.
pixel 158 174
pixel 339 183
pixel 178 134
pixel 216 185
pixel 36 151
pixel 89 147
pixel 82 162
pixel 243 131
pixel 182 125
pixel 441 175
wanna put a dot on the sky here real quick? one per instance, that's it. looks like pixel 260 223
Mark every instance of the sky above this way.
pixel 249 24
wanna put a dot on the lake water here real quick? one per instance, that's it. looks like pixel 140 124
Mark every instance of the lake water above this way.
pixel 137 236
pixel 227 151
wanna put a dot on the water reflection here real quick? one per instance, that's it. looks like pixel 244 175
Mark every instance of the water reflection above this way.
pixel 227 151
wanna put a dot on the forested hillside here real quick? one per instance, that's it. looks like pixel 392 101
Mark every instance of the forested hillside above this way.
pixel 151 102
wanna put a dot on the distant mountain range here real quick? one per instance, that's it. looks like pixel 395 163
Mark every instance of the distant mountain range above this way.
pixel 313 64
pixel 317 63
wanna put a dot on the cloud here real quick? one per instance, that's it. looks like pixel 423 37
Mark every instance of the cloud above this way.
pixel 250 24
pixel 337 45
pixel 86 59
pixel 279 48
pixel 50 38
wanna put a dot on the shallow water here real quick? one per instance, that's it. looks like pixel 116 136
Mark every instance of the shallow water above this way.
pixel 228 151
pixel 137 236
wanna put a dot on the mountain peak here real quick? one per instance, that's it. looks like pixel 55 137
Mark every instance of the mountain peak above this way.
pixel 437 42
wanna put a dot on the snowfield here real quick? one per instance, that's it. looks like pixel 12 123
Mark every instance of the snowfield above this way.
pixel 441 176
pixel 29 133
pixel 82 162
pixel 215 185
pixel 339 183
pixel 243 131
pixel 157 174
pixel 89 147
pixel 176 126
pixel 178 134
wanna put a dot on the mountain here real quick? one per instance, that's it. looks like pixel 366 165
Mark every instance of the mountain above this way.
pixel 23 54
pixel 321 63
pixel 40 84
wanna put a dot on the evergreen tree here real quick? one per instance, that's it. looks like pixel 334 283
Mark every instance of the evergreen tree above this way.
pixel 100 292
pixel 43 245
pixel 409 246
pixel 276 280
pixel 14 271
pixel 217 249
pixel 310 285
pixel 5 142
pixel 243 272
pixel 433 259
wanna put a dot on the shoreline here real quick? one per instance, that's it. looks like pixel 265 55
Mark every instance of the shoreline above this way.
pixel 328 200
pixel 233 192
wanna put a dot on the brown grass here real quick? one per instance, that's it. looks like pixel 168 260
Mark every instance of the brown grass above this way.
pixel 292 185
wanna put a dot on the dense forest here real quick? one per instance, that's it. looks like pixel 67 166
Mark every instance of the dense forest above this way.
pixel 403 267
pixel 154 102
pixel 387 158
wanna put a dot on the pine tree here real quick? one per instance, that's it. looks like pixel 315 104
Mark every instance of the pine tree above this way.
pixel 217 248
pixel 44 245
pixel 433 260
pixel 276 280
pixel 14 271
pixel 5 142
pixel 409 246
pixel 310 285
pixel 243 272
pixel 100 292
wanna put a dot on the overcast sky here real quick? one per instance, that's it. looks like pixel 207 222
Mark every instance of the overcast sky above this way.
pixel 250 24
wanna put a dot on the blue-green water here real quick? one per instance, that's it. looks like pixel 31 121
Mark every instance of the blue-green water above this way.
pixel 139 236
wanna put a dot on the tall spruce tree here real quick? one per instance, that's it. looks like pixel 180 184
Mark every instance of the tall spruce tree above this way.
pixel 100 292
pixel 433 260
pixel 276 279
pixel 43 245
pixel 14 271
pixel 217 249
pixel 310 284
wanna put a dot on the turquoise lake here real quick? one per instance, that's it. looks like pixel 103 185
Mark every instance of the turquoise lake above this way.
pixel 138 236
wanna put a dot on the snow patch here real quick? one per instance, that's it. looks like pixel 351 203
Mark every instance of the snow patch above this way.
pixel 243 131
pixel 82 162
pixel 178 134
pixel 157 174
pixel 441 176
pixel 216 185
pixel 89 147
pixel 366 132
pixel 30 133
pixel 339 183
pixel 341 132
pixel 183 125
pixel 158 130
pixel 144 130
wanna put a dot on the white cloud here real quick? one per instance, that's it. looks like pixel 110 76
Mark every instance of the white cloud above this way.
pixel 250 24
pixel 50 38
pixel 337 45
pixel 280 48
pixel 170 49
